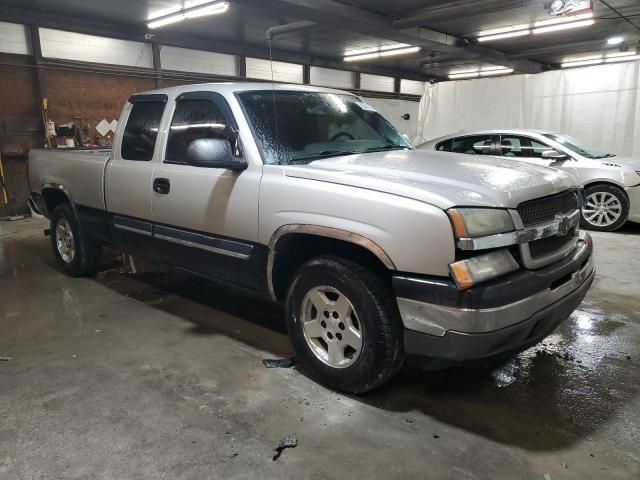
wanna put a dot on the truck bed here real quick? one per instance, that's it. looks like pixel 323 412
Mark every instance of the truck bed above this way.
pixel 80 171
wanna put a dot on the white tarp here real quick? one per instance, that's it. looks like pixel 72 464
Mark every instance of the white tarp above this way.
pixel 599 105
pixel 394 110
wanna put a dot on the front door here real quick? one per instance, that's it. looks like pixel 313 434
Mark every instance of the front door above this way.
pixel 128 179
pixel 528 149
pixel 206 219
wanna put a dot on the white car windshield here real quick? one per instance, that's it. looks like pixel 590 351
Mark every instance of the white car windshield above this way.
pixel 294 127
pixel 576 146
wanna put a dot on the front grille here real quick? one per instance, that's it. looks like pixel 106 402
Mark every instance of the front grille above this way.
pixel 545 246
pixel 546 208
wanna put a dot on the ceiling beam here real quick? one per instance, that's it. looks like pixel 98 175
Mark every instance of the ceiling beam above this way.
pixel 137 33
pixel 332 13
pixel 354 19
pixel 566 48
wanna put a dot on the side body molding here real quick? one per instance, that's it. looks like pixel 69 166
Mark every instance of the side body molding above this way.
pixel 322 232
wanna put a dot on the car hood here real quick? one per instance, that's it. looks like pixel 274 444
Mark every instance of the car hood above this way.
pixel 441 179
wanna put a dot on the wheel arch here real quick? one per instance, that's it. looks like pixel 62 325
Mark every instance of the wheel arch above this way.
pixel 55 194
pixel 608 183
pixel 302 242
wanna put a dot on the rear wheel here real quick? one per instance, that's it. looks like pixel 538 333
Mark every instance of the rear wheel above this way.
pixel 606 210
pixel 344 324
pixel 75 253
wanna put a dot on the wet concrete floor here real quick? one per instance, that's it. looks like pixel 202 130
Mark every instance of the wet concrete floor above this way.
pixel 159 376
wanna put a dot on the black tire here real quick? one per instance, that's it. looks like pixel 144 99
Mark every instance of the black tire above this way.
pixel 606 190
pixel 86 255
pixel 382 351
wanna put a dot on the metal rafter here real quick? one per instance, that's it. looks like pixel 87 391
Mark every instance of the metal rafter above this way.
pixel 332 13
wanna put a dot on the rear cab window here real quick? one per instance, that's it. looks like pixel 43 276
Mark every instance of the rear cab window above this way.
pixel 141 130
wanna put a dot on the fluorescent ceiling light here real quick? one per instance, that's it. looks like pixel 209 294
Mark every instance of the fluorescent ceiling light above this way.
pixel 620 54
pixel 541 26
pixel 362 56
pixel 377 52
pixel 564 26
pixel 561 20
pixel 512 28
pixel 165 21
pixel 483 72
pixel 400 51
pixel 499 36
pixel 582 62
pixel 496 71
pixel 622 58
pixel 455 76
pixel 615 40
pixel 195 12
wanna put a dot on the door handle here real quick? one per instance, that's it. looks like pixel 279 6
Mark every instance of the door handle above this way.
pixel 161 185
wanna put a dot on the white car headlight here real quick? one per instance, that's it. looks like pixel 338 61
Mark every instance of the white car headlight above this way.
pixel 479 222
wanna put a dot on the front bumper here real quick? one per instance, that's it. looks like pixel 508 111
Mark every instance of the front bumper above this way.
pixel 506 314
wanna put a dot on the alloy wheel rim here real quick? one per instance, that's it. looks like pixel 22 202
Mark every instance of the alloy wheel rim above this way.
pixel 64 241
pixel 602 209
pixel 331 327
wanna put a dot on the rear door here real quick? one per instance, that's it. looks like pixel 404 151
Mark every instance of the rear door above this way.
pixel 128 182
pixel 206 218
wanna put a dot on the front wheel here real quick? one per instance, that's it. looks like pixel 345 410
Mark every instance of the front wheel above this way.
pixel 344 324
pixel 75 252
pixel 606 210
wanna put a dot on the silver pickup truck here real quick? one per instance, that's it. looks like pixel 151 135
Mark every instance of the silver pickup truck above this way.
pixel 382 254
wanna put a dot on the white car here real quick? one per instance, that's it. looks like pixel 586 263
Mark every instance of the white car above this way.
pixel 612 183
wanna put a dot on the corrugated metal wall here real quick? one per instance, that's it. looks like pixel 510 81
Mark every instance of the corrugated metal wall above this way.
pixel 376 83
pixel 14 38
pixel 90 48
pixel 198 61
pixel 329 77
pixel 282 72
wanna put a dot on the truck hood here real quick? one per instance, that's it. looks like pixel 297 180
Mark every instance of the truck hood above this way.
pixel 441 179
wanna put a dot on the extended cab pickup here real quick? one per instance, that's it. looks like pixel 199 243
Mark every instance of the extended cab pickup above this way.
pixel 381 253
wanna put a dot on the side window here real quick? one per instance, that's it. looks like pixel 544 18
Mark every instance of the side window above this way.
pixel 473 145
pixel 139 137
pixel 523 147
pixel 444 146
pixel 194 119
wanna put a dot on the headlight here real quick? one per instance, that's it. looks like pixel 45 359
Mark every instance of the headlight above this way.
pixel 467 273
pixel 478 222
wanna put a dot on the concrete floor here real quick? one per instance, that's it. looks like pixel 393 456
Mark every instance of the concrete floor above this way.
pixel 159 376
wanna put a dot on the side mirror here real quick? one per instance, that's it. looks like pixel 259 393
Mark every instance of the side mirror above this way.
pixel 554 155
pixel 213 153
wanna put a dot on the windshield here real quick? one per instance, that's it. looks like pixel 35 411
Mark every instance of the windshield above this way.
pixel 575 146
pixel 294 127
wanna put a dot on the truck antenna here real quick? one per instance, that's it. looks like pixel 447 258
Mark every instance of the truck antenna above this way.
pixel 273 90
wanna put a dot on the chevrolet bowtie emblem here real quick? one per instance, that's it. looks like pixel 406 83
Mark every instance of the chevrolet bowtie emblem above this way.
pixel 564 224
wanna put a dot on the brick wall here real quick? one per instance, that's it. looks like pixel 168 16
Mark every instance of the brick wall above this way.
pixel 72 96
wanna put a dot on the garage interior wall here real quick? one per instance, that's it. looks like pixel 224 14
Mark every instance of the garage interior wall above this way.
pixel 96 86
pixel 598 105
